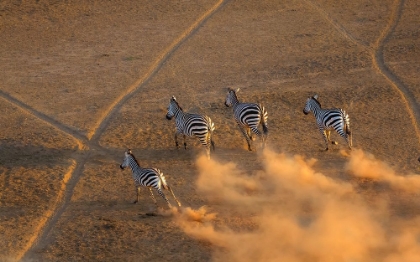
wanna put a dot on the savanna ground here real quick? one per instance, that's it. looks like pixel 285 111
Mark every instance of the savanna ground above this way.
pixel 82 81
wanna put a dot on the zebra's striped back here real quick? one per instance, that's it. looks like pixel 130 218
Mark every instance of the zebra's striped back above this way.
pixel 329 119
pixel 194 124
pixel 248 116
pixel 188 124
pixel 149 177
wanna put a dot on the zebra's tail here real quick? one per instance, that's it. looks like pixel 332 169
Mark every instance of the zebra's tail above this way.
pixel 347 128
pixel 211 129
pixel 162 178
pixel 264 121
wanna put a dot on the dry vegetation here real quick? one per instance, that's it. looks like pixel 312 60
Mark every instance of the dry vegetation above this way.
pixel 80 81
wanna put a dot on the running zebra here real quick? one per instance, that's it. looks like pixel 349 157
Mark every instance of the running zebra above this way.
pixel 148 177
pixel 187 124
pixel 248 116
pixel 329 119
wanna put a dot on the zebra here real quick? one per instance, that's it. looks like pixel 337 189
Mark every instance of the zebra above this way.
pixel 191 125
pixel 148 177
pixel 329 119
pixel 248 116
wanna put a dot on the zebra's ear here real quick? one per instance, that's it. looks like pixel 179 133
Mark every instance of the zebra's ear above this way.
pixel 173 98
pixel 129 151
pixel 315 96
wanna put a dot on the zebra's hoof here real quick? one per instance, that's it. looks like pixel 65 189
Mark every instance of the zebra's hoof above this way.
pixel 334 142
pixel 135 202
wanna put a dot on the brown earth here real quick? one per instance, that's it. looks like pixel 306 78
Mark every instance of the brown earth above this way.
pixel 81 81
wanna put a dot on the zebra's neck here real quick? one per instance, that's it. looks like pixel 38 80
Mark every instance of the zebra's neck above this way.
pixel 315 108
pixel 235 101
pixel 178 112
pixel 133 165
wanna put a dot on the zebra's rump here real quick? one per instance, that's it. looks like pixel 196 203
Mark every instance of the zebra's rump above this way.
pixel 331 117
pixel 248 114
pixel 197 125
pixel 162 178
pixel 335 119
pixel 148 177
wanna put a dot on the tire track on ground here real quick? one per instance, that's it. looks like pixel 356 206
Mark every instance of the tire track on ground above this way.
pixel 39 238
pixel 51 212
pixel 380 65
pixel 337 26
pixel 104 120
pixel 79 138
pixel 378 58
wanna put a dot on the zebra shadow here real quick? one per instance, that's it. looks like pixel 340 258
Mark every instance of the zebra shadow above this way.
pixel 15 155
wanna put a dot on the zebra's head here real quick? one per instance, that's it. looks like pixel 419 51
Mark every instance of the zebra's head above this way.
pixel 311 103
pixel 127 155
pixel 231 97
pixel 172 108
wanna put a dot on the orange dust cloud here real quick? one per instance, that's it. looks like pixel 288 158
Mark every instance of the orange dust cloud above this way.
pixel 299 214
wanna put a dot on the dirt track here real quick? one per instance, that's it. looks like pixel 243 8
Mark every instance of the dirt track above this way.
pixel 82 82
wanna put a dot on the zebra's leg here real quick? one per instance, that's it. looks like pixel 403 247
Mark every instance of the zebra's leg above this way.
pixel 248 140
pixel 324 134
pixel 328 133
pixel 259 134
pixel 138 195
pixel 249 133
pixel 163 196
pixel 349 139
pixel 185 142
pixel 172 192
pixel 210 140
pixel 264 135
pixel 205 141
pixel 176 140
pixel 153 197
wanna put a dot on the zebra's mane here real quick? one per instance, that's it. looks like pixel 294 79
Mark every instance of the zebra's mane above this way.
pixel 134 158
pixel 176 102
pixel 234 92
pixel 316 101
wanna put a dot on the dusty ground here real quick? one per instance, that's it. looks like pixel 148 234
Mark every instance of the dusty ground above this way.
pixel 80 81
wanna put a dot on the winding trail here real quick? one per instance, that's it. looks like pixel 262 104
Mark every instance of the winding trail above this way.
pixel 90 145
pixel 341 29
pixel 379 64
pixel 104 120
pixel 44 221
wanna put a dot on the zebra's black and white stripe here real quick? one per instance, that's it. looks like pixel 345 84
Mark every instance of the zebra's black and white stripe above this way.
pixel 148 177
pixel 329 119
pixel 187 124
pixel 248 116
